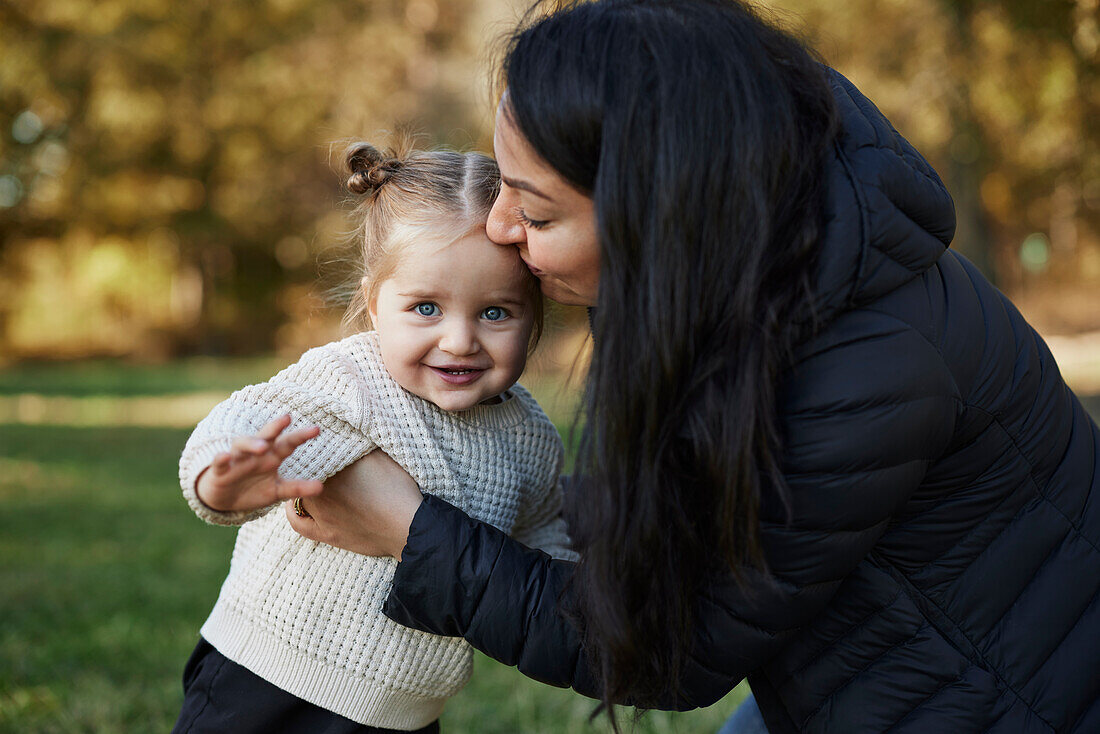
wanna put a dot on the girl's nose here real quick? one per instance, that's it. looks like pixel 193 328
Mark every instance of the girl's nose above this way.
pixel 502 226
pixel 459 338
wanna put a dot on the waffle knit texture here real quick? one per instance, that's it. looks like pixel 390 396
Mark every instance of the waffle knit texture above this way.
pixel 306 616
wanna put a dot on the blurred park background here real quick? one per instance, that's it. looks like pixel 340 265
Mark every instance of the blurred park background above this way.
pixel 172 227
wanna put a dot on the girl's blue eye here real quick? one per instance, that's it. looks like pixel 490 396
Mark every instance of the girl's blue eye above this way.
pixel 494 313
pixel 427 309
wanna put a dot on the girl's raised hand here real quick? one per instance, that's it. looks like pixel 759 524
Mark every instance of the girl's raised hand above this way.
pixel 247 477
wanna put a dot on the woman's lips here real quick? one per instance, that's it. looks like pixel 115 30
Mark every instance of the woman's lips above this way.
pixel 457 375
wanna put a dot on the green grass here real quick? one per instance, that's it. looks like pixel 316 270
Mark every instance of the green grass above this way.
pixel 106 577
pixel 113 377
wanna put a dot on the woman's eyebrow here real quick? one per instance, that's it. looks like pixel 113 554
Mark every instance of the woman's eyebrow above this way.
pixel 520 184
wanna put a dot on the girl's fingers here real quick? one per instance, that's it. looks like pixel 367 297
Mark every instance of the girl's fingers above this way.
pixel 239 469
pixel 249 445
pixel 274 428
pixel 220 465
pixel 284 446
pixel 288 489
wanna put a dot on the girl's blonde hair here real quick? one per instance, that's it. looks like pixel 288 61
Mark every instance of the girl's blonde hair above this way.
pixel 411 196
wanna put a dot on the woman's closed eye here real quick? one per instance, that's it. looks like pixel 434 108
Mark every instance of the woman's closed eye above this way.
pixel 426 309
pixel 528 222
pixel 495 313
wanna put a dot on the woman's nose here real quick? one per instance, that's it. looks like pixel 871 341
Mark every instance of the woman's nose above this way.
pixel 459 338
pixel 502 226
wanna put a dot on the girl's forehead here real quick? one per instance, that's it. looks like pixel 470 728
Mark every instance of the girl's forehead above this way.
pixel 470 264
pixel 474 249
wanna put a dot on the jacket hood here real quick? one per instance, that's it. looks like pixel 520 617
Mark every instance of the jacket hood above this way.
pixel 889 217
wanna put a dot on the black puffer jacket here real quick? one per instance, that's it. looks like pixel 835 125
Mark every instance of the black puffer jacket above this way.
pixel 941 569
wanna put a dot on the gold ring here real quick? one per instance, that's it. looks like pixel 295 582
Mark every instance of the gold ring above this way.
pixel 298 509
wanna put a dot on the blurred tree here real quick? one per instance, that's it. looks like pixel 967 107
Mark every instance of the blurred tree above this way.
pixel 162 163
pixel 1001 95
pixel 164 188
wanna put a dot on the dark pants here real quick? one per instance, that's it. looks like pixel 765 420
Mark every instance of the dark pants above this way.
pixel 221 697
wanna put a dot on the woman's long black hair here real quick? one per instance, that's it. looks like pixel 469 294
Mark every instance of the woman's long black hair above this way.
pixel 701 131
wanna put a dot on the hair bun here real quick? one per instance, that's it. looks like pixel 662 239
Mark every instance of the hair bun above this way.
pixel 369 168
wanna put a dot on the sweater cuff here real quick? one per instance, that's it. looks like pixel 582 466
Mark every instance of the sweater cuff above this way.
pixel 435 587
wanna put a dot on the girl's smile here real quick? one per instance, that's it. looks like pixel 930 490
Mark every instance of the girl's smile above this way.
pixel 458 375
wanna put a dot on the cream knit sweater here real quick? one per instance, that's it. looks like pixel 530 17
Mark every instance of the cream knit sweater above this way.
pixel 306 616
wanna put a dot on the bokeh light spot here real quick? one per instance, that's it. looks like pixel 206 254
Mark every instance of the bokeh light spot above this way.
pixel 27 127
pixel 422 14
pixel 52 158
pixel 291 252
pixel 1035 252
pixel 11 191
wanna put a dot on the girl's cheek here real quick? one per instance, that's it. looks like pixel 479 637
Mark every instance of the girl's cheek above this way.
pixel 511 343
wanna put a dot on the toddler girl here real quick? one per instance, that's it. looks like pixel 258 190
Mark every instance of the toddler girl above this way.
pixel 297 640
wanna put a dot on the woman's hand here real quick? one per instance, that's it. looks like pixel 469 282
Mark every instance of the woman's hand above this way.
pixel 366 508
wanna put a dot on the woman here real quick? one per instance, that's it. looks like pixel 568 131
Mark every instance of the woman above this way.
pixel 820 450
